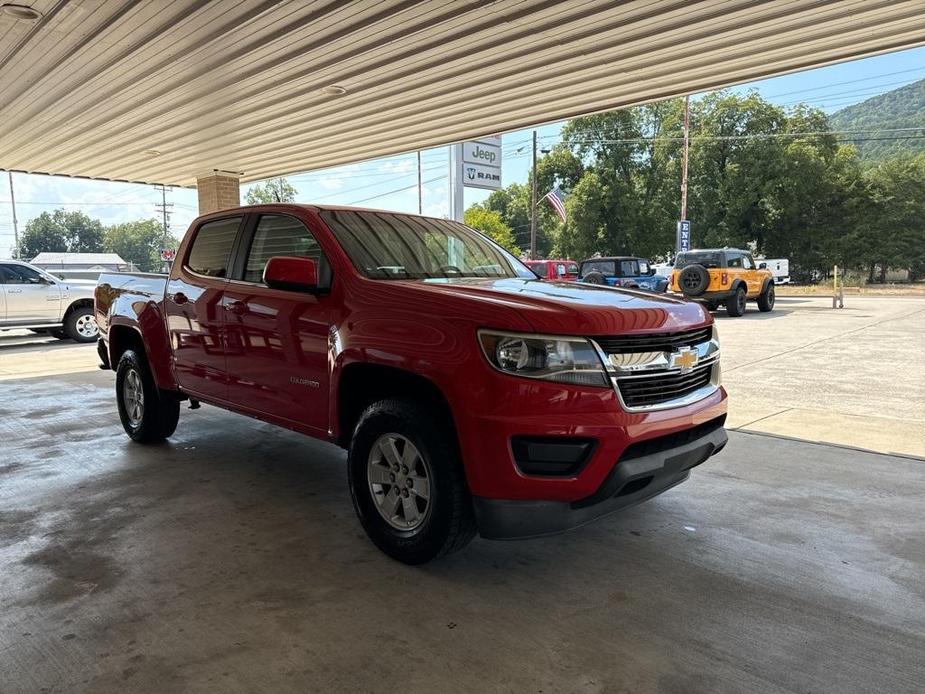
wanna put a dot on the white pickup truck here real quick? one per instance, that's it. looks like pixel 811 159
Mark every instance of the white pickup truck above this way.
pixel 32 299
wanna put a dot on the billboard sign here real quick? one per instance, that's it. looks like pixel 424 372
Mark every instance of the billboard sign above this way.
pixel 480 165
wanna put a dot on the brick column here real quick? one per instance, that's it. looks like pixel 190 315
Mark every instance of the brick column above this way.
pixel 218 191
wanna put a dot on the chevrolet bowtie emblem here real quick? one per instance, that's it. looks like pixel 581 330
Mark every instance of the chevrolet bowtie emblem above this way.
pixel 685 359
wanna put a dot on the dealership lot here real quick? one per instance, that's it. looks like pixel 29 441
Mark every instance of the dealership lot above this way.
pixel 230 559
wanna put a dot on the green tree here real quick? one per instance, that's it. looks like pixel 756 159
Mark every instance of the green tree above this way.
pixel 63 232
pixel 892 229
pixel 139 242
pixel 490 223
pixel 274 190
pixel 512 203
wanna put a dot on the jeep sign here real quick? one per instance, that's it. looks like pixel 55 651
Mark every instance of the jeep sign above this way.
pixel 481 163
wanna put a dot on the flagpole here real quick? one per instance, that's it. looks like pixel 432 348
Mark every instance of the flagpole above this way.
pixel 533 209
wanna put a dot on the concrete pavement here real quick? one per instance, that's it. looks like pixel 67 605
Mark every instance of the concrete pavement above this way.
pixel 853 376
pixel 229 560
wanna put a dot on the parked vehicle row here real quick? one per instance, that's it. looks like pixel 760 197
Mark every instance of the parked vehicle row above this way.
pixel 471 396
pixel 33 299
pixel 727 277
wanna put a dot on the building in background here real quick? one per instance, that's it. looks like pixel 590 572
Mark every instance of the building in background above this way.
pixel 80 266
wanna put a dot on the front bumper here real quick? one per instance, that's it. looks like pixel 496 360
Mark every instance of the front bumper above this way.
pixel 645 470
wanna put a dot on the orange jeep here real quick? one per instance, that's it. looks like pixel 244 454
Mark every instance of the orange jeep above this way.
pixel 723 276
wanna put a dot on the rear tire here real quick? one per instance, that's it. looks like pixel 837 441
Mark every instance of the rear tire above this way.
pixel 766 298
pixel 80 325
pixel 693 280
pixel 735 304
pixel 594 277
pixel 148 413
pixel 421 510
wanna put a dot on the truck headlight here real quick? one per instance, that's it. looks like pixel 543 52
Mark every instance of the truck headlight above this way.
pixel 546 357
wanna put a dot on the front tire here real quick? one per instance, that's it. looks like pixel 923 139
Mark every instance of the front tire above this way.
pixel 80 325
pixel 148 414
pixel 407 482
pixel 735 304
pixel 766 298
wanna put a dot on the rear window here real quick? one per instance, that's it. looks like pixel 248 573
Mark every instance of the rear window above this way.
pixel 705 258
pixel 605 267
pixel 571 269
pixel 212 247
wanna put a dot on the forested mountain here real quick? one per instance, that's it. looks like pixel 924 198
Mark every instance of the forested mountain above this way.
pixel 900 108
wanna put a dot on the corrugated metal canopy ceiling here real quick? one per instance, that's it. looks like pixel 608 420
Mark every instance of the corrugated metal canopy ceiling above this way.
pixel 159 91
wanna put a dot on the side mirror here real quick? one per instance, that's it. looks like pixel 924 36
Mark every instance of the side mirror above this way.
pixel 651 271
pixel 762 266
pixel 291 274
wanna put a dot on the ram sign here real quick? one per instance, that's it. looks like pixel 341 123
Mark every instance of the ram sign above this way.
pixel 481 163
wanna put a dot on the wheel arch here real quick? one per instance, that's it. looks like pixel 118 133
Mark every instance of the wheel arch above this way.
pixel 360 384
pixel 76 304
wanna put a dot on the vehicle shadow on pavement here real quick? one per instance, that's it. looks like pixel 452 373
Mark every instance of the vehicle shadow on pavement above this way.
pixel 36 343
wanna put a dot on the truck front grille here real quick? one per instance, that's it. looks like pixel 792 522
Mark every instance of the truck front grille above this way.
pixel 662 370
pixel 663 386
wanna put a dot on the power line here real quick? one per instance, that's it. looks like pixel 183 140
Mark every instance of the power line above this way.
pixel 838 84
pixel 397 190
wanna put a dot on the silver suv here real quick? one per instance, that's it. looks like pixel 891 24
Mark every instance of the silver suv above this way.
pixel 33 299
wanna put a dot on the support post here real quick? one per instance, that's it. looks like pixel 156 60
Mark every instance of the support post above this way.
pixel 219 190
pixel 457 208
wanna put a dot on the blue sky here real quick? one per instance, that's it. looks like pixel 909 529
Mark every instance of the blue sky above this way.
pixel 391 183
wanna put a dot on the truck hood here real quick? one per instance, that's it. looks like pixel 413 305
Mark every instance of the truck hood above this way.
pixel 571 308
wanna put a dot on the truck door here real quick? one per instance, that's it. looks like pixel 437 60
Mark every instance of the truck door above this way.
pixel 30 296
pixel 192 305
pixel 278 340
pixel 752 278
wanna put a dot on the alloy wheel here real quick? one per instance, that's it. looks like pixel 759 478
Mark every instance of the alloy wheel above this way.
pixel 86 326
pixel 399 481
pixel 133 397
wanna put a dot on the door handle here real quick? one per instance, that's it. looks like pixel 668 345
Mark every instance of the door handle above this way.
pixel 14 291
pixel 179 298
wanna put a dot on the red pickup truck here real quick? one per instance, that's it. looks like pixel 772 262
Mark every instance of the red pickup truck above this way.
pixel 471 396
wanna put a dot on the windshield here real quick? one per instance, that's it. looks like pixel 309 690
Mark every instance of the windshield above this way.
pixel 705 258
pixel 386 246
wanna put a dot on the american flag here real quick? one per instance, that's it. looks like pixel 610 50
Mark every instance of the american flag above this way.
pixel 555 199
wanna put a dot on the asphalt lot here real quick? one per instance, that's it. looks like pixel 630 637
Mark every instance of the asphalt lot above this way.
pixel 229 560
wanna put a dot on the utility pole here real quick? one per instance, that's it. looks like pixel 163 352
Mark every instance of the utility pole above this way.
pixel 533 206
pixel 420 188
pixel 687 120
pixel 683 233
pixel 164 209
pixel 15 223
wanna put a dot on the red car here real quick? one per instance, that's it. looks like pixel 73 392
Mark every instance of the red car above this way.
pixel 471 396
pixel 554 269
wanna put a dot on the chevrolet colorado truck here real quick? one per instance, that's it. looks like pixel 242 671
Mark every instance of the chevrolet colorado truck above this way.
pixel 471 396
pixel 33 299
